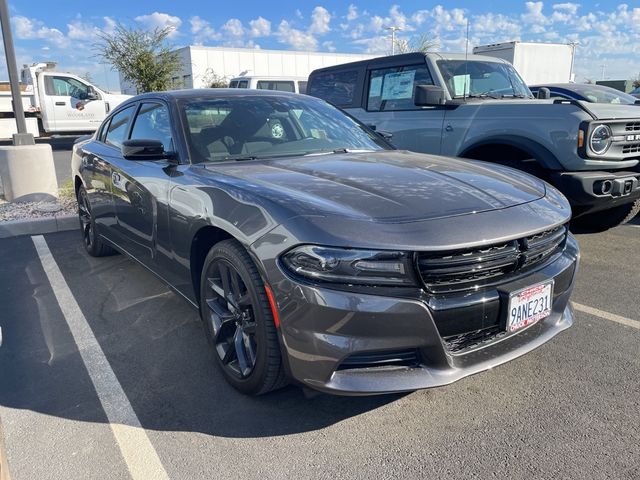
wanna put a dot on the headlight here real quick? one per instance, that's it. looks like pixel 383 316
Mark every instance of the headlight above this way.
pixel 600 139
pixel 350 266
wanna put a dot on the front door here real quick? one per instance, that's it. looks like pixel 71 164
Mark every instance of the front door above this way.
pixel 71 105
pixel 141 187
pixel 390 108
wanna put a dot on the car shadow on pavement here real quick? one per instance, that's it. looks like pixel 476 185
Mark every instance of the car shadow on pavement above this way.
pixel 155 344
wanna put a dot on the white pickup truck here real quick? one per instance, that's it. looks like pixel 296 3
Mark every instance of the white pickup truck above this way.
pixel 55 102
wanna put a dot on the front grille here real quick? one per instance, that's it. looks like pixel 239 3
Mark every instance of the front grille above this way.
pixel 632 127
pixel 464 341
pixel 388 358
pixel 468 269
pixel 631 148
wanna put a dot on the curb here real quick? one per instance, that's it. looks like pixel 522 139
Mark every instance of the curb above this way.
pixel 57 223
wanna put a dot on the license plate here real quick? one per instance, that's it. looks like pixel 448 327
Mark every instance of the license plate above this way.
pixel 529 305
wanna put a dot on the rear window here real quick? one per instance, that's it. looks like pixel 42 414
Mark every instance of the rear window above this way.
pixel 302 87
pixel 282 86
pixel 335 87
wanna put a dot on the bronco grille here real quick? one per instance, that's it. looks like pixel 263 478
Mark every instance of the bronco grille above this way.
pixel 631 148
pixel 467 269
pixel 632 127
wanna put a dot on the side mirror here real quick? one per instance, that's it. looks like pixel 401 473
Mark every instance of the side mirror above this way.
pixel 428 95
pixel 544 93
pixel 143 149
pixel 92 94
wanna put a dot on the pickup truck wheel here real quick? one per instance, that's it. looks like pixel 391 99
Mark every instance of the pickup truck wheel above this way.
pixel 606 219
pixel 93 244
pixel 238 320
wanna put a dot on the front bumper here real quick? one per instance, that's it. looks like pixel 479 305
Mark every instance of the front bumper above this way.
pixel 591 191
pixel 322 327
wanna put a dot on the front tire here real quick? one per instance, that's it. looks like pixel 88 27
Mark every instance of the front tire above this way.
pixel 93 244
pixel 606 219
pixel 238 320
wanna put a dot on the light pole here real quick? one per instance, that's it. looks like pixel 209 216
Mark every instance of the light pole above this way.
pixel 573 57
pixel 22 138
pixel 393 29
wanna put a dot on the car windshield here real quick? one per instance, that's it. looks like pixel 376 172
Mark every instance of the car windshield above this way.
pixel 475 78
pixel 263 126
pixel 597 94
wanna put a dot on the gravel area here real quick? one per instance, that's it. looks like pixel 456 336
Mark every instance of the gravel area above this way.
pixel 31 210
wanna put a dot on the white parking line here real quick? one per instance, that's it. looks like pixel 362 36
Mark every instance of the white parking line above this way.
pixel 138 452
pixel 607 316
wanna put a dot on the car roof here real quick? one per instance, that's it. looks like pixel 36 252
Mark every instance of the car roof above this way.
pixel 212 93
pixel 406 58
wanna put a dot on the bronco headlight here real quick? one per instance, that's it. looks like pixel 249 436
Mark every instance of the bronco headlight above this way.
pixel 600 139
pixel 350 266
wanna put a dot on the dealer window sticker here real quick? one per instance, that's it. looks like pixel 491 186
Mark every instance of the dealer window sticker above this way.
pixel 398 85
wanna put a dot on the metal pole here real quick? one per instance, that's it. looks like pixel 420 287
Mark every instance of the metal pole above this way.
pixel 23 137
pixel 393 41
pixel 573 57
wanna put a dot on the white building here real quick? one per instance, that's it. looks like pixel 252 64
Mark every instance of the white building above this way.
pixel 200 64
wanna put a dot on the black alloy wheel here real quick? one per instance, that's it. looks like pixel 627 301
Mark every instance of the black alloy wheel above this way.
pixel 93 244
pixel 238 319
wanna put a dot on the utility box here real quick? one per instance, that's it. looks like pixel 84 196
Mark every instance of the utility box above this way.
pixel 537 63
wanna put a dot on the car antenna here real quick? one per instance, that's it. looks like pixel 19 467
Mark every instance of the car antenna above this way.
pixel 466 64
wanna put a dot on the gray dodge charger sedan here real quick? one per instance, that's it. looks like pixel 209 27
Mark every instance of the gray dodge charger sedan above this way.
pixel 317 253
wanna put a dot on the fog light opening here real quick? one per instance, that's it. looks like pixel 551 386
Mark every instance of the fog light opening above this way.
pixel 605 187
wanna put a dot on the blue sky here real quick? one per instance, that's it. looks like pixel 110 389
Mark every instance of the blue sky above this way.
pixel 608 32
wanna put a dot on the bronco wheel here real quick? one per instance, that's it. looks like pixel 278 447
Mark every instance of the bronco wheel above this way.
pixel 93 244
pixel 606 219
pixel 238 320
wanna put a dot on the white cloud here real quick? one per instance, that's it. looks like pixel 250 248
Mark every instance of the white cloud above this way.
pixel 161 20
pixel 260 27
pixel 296 38
pixel 32 29
pixel 320 19
pixel 202 30
pixel 570 8
pixel 534 13
pixel 233 27
pixel 352 13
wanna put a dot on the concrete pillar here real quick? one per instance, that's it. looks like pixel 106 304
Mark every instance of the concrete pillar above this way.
pixel 28 173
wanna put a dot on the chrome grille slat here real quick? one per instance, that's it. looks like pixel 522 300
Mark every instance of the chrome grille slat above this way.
pixel 467 269
pixel 632 127
pixel 631 148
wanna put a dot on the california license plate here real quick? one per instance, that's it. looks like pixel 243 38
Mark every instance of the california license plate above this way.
pixel 529 305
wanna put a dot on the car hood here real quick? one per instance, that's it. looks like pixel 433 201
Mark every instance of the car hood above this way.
pixel 609 111
pixel 389 186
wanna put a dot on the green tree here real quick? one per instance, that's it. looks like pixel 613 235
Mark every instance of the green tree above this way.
pixel 636 81
pixel 142 57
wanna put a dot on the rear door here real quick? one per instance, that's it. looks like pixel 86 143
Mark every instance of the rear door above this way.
pixel 70 104
pixel 388 106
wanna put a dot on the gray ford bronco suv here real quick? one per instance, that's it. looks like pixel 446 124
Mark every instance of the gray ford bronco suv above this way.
pixel 480 108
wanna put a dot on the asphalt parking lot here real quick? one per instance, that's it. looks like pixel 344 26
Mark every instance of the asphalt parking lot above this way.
pixel 567 410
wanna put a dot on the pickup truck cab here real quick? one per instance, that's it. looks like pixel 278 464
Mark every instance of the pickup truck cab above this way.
pixel 478 107
pixel 57 102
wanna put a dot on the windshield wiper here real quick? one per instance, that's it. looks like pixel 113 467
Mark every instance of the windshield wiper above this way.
pixel 241 159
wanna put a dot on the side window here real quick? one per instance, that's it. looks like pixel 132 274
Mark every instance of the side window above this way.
pixel 152 123
pixel 117 130
pixel 282 86
pixel 233 84
pixel 335 87
pixel 243 84
pixel 302 87
pixel 67 87
pixel 392 88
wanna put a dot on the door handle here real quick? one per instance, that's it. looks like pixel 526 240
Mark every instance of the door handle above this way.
pixel 449 128
pixel 60 104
